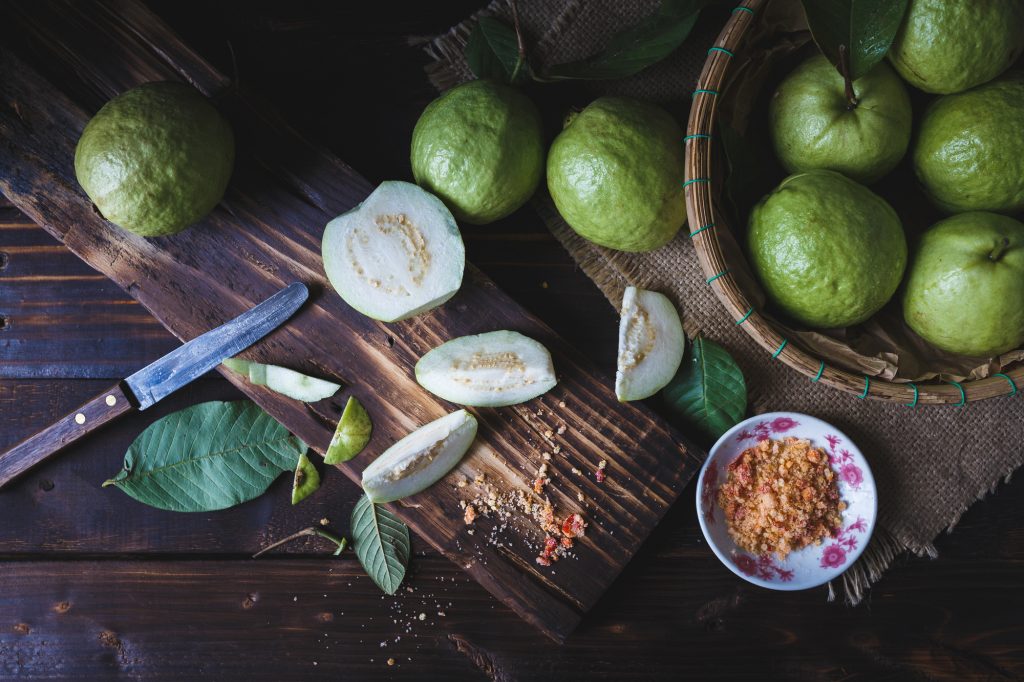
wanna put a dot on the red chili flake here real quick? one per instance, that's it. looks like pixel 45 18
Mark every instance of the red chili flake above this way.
pixel 567 543
pixel 543 560
pixel 573 526
pixel 550 544
pixel 599 475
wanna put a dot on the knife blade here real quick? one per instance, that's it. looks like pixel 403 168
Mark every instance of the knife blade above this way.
pixel 197 357
pixel 157 380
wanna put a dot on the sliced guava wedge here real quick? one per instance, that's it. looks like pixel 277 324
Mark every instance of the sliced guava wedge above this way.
pixel 396 255
pixel 419 460
pixel 351 435
pixel 306 481
pixel 285 381
pixel 651 344
pixel 487 370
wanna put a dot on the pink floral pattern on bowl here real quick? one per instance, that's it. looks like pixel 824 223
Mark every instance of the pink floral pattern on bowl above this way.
pixel 810 566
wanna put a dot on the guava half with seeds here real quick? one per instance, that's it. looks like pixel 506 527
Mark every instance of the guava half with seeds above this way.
pixel 487 370
pixel 396 255
pixel 285 381
pixel 651 344
pixel 419 460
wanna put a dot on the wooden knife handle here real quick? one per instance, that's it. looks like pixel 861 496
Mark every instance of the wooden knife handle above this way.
pixel 86 419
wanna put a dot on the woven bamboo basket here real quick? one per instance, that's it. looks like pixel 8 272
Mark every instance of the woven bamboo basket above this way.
pixel 705 226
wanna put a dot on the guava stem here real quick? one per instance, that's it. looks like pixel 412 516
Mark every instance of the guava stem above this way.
pixel 327 535
pixel 844 69
pixel 1000 249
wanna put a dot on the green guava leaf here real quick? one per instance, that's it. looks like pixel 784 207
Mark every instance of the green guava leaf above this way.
pixel 306 481
pixel 865 27
pixel 492 51
pixel 206 457
pixel 351 435
pixel 382 544
pixel 709 392
pixel 633 50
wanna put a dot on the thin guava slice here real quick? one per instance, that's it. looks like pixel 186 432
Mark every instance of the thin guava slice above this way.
pixel 351 435
pixel 396 255
pixel 487 370
pixel 285 381
pixel 306 481
pixel 651 344
pixel 419 460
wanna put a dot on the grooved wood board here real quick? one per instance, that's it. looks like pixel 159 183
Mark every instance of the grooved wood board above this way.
pixel 266 233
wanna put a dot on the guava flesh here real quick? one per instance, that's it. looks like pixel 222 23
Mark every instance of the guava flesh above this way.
pixel 396 255
pixel 419 460
pixel 487 370
pixel 285 381
pixel 651 344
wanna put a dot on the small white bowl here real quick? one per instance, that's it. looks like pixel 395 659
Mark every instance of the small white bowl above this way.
pixel 815 564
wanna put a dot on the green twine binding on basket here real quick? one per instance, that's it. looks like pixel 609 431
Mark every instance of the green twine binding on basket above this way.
pixel 720 49
pixel 744 318
pixel 697 136
pixel 820 371
pixel 700 91
pixel 712 278
pixel 1013 384
pixel 742 9
pixel 917 394
pixel 779 349
pixel 963 393
pixel 867 387
pixel 701 229
pixel 690 182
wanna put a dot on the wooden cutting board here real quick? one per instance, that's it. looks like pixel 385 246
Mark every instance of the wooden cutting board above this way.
pixel 60 61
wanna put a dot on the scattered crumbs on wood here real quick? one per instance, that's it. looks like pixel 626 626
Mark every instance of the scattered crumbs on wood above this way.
pixel 561 430
pixel 325 521
pixel 391 661
pixel 561 403
pixel 543 285
pixel 576 471
pixel 546 456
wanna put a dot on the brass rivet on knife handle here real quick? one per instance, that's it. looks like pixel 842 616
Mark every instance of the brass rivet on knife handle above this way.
pixel 54 438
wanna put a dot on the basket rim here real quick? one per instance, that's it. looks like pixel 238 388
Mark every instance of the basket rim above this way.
pixel 701 216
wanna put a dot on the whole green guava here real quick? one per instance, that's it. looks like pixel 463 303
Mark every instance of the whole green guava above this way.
pixel 813 125
pixel 480 148
pixel 969 153
pixel 947 46
pixel 156 158
pixel 965 286
pixel 828 251
pixel 615 173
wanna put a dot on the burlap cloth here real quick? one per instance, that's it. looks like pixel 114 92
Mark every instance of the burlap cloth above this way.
pixel 930 464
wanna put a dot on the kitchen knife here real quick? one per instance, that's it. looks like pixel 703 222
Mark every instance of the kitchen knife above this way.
pixel 156 381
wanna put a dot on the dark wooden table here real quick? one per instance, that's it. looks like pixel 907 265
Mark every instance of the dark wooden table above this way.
pixel 96 586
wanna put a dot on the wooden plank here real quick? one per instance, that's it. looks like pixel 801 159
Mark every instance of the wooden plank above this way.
pixel 44 287
pixel 266 234
pixel 106 334
pixel 307 619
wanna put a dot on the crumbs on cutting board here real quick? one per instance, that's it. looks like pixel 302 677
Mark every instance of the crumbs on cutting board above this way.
pixel 527 510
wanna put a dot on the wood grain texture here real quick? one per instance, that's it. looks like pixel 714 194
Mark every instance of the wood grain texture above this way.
pixel 80 422
pixel 296 618
pixel 266 234
pixel 43 288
